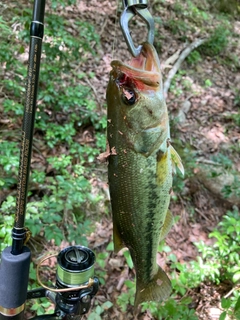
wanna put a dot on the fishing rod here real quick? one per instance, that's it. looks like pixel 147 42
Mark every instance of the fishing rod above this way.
pixel 36 36
pixel 75 282
pixel 15 261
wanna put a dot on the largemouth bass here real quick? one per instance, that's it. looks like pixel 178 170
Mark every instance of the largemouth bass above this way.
pixel 140 168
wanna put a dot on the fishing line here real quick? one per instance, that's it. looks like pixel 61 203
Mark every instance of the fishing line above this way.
pixel 71 279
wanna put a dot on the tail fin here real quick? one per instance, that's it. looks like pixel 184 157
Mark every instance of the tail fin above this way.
pixel 158 289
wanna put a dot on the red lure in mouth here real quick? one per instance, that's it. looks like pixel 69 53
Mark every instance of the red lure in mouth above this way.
pixel 125 81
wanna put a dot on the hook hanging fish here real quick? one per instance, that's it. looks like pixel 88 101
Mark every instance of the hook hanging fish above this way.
pixel 140 167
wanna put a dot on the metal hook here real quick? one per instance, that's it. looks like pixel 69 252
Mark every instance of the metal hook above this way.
pixel 131 9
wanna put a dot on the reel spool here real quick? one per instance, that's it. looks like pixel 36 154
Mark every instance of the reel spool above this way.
pixel 75 266
pixel 75 269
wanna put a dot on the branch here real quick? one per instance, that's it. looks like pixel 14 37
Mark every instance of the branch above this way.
pixel 181 58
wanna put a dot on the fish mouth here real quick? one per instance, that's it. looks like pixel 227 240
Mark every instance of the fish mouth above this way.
pixel 144 70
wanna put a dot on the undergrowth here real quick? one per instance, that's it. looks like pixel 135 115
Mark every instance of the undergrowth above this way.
pixel 59 188
pixel 215 264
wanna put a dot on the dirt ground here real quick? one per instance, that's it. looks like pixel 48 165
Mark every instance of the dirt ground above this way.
pixel 205 127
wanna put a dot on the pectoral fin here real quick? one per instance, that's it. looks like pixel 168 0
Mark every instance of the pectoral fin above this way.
pixel 167 225
pixel 162 167
pixel 176 160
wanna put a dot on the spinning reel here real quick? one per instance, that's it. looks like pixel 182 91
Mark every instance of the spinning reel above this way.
pixel 75 282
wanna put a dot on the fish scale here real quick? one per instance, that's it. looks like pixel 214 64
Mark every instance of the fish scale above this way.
pixel 140 168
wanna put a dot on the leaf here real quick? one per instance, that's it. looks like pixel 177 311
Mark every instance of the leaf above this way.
pixel 237 305
pixel 99 310
pixel 236 277
pixel 94 316
pixel 225 303
pixel 21 50
pixel 167 249
pixel 172 257
pixel 35 307
pixel 128 259
pixel 107 305
pixel 110 246
pixel 223 315
pixel 46 304
pixel 130 284
pixel 186 300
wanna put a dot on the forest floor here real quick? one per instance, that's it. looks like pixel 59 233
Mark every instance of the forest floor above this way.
pixel 201 103
pixel 206 127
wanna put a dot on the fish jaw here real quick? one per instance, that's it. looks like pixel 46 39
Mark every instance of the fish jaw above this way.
pixel 145 123
pixel 144 70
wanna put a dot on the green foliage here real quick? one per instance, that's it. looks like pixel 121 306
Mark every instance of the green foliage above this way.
pixel 237 103
pixel 171 309
pixel 227 6
pixel 9 162
pixel 6 222
pixel 235 116
pixel 222 259
pixel 177 26
pixel 127 298
pixel 216 264
pixel 98 310
pixel 61 56
pixel 61 3
pixel 193 13
pixel 59 200
pixel 232 188
pixel 101 264
pixel 128 258
pixel 59 210
pixel 194 57
pixel 181 82
pixel 41 306
pixel 208 83
pixel 231 307
pixel 224 160
pixel 217 43
pixel 101 259
pixel 11 106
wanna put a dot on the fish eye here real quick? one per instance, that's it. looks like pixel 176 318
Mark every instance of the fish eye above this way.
pixel 128 96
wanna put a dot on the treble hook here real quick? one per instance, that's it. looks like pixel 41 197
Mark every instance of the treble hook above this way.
pixel 131 9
